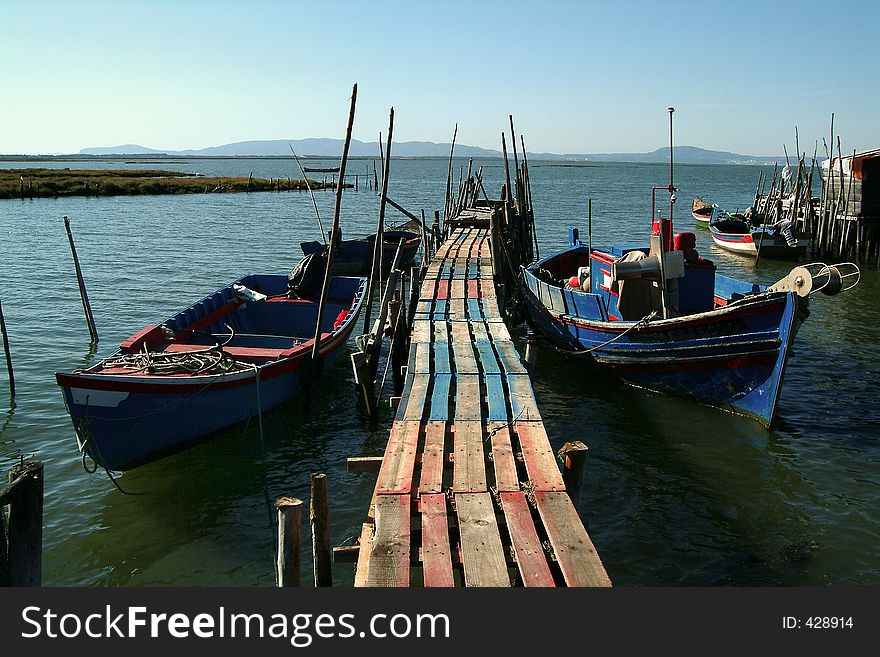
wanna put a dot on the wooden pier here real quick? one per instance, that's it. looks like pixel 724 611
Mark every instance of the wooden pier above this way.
pixel 469 492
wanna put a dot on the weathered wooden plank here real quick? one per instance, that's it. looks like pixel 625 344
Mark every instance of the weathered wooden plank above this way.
pixel 487 287
pixel 482 553
pixel 530 558
pixel 490 308
pixel 469 464
pixel 456 309
pixel 363 560
pixel 420 361
pixel 463 349
pixel 431 480
pixel 417 398
pixel 498 332
pixel 390 544
pixel 424 308
pixel 457 289
pixel 480 331
pixel 522 399
pixel 428 290
pixel 396 473
pixel 509 357
pixel 421 331
pixel 436 553
pixel 506 477
pixel 467 398
pixel 544 474
pixel 575 553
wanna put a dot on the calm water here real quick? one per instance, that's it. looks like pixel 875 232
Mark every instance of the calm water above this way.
pixel 677 493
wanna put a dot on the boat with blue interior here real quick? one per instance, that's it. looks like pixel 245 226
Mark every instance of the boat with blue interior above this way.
pixel 660 316
pixel 242 350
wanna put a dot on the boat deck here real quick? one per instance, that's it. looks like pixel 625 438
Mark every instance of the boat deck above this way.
pixel 469 492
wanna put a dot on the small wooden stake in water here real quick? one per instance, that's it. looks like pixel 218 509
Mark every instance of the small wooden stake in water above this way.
pixel 319 519
pixel 287 565
pixel 6 351
pixel 90 319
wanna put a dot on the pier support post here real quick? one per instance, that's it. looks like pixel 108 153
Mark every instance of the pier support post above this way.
pixel 531 355
pixel 319 519
pixel 24 556
pixel 573 458
pixel 287 564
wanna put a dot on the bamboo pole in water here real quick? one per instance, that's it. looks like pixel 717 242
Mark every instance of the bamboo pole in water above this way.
pixel 446 208
pixel 334 231
pixel 379 243
pixel 320 522
pixel 8 356
pixel 87 307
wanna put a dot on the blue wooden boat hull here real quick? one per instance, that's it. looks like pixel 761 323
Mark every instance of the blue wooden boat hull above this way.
pixel 732 356
pixel 124 420
pixel 354 257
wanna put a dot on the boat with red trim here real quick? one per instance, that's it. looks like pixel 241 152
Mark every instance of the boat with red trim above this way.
pixel 240 351
pixel 735 232
pixel 659 316
pixel 702 211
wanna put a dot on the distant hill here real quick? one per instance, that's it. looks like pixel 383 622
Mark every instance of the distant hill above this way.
pixel 333 148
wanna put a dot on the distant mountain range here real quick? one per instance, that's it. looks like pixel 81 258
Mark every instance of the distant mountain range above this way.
pixel 333 148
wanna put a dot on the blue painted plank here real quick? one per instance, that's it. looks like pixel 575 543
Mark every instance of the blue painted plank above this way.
pixel 488 360
pixel 441 358
pixel 440 397
pixel 475 310
pixel 495 399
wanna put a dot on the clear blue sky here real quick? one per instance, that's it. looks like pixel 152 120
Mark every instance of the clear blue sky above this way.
pixel 577 76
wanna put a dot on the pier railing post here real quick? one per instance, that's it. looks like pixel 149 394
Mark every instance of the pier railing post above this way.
pixel 287 564
pixel 573 458
pixel 25 524
pixel 319 519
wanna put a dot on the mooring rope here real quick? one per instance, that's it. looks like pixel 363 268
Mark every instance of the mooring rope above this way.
pixel 580 352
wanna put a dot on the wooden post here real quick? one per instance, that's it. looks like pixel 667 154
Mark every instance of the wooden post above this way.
pixel 531 355
pixel 87 308
pixel 334 231
pixel 6 351
pixel 25 526
pixel 318 517
pixel 287 565
pixel 446 207
pixel 573 457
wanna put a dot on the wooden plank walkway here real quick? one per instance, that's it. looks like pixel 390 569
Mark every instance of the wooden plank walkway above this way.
pixel 469 492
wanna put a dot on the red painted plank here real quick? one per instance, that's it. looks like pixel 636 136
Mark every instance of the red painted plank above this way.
pixel 473 291
pixel 396 473
pixel 436 554
pixel 442 289
pixel 574 551
pixel 540 462
pixel 530 557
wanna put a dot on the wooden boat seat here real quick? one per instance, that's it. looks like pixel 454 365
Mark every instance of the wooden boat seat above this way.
pixel 256 354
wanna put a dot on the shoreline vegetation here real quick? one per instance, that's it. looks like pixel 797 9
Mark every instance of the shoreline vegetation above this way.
pixel 55 183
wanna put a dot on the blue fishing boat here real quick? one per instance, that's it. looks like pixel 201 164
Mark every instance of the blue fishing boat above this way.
pixel 354 257
pixel 240 351
pixel 659 316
